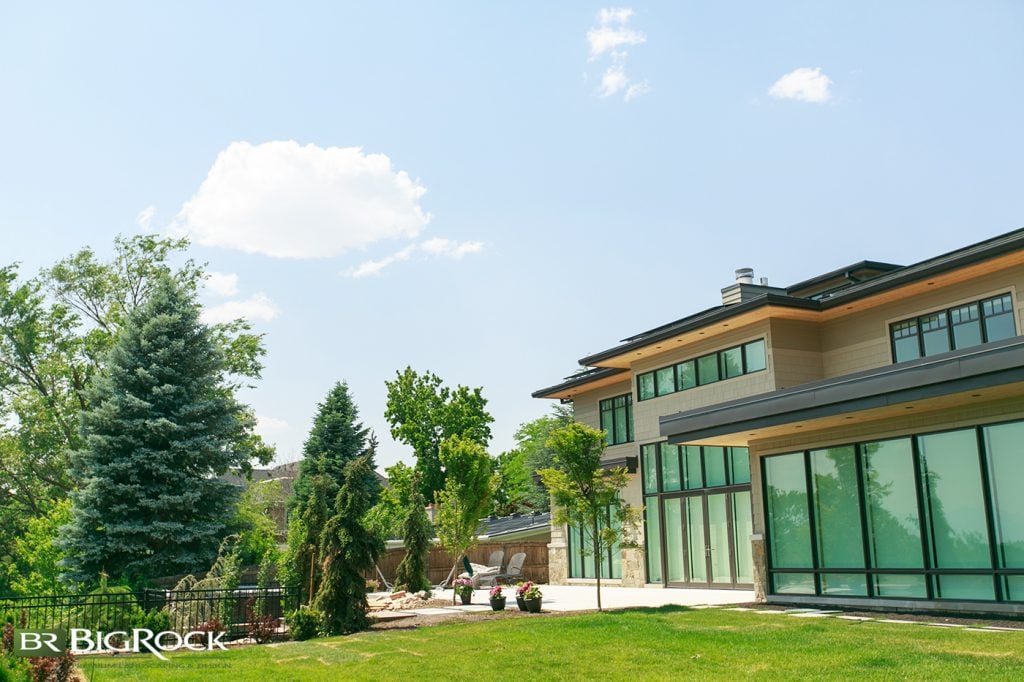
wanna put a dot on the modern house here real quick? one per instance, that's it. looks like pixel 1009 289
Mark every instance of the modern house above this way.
pixel 853 439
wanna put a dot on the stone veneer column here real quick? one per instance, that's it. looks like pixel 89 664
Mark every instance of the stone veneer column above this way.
pixel 633 574
pixel 558 557
pixel 760 568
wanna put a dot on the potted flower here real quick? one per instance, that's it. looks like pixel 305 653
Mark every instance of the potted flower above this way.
pixel 464 588
pixel 521 589
pixel 532 598
pixel 497 598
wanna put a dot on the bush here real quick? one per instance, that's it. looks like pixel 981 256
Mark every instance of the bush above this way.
pixel 157 620
pixel 303 623
pixel 261 627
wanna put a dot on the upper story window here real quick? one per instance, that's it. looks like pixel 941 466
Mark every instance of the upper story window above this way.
pixel 671 468
pixel 959 327
pixel 617 419
pixel 707 369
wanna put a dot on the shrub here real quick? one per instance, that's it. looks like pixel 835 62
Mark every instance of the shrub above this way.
pixel 157 620
pixel 211 625
pixel 303 623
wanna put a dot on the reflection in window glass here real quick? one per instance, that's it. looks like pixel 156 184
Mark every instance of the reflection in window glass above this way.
pixel 755 356
pixel 687 375
pixel 966 325
pixel 894 525
pixel 731 362
pixel 674 539
pixel 955 510
pixel 652 539
pixel 739 466
pixel 998 318
pixel 707 369
pixel 793 583
pixel 837 508
pixel 714 465
pixel 670 478
pixel 1004 444
pixel 934 333
pixel 788 522
pixel 650 467
pixel 691 463
pixel 665 380
pixel 742 528
pixel 905 343
pixel 645 386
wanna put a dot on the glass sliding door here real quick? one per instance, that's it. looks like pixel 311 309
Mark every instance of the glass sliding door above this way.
pixel 719 544
pixel 696 547
pixel 674 557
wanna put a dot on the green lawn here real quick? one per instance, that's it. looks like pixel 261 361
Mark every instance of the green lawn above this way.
pixel 665 643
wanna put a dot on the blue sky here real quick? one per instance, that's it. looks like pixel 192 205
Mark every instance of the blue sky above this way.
pixel 542 160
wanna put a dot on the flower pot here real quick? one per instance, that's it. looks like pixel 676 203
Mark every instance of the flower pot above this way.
pixel 533 605
pixel 521 603
pixel 498 603
pixel 466 597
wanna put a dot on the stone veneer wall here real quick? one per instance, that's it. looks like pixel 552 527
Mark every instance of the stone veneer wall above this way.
pixel 760 569
pixel 558 557
pixel 633 574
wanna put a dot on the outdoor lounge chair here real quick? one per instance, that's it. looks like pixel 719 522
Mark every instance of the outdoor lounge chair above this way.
pixel 514 570
pixel 496 559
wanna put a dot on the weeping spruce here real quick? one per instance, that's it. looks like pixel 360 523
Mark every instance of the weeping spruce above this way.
pixel 160 427
pixel 348 552
pixel 412 572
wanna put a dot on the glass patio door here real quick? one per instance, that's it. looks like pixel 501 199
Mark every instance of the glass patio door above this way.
pixel 702 535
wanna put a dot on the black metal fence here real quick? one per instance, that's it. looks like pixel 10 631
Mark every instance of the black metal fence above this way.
pixel 242 612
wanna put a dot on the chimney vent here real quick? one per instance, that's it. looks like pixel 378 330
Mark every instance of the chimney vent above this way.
pixel 764 281
pixel 745 275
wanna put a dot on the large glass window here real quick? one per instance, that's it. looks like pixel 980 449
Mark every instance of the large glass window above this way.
pixel 725 364
pixel 582 559
pixel 670 474
pixel 788 520
pixel 933 516
pixel 652 535
pixel 617 419
pixel 893 521
pixel 959 327
pixel 1004 445
pixel 649 463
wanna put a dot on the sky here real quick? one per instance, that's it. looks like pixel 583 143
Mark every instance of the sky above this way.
pixel 490 191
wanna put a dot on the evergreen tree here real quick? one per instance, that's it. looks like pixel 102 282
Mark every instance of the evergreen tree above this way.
pixel 336 439
pixel 347 552
pixel 412 572
pixel 160 427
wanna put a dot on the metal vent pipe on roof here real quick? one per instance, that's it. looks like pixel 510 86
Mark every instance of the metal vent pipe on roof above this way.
pixel 745 275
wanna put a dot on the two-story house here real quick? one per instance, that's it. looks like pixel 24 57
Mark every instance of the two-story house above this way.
pixel 853 439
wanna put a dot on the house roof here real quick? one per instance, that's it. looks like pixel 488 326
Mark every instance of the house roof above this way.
pixel 498 526
pixel 887 276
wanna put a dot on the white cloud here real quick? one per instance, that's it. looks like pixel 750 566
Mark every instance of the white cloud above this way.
pixel 613 31
pixel 256 307
pixel 438 246
pixel 804 84
pixel 452 249
pixel 222 283
pixel 144 218
pixel 269 426
pixel 611 35
pixel 285 200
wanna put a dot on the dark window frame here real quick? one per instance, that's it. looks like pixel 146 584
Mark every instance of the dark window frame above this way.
pixel 612 437
pixel 947 316
pixel 719 361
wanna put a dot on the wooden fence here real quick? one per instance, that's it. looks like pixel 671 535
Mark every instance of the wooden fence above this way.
pixel 440 562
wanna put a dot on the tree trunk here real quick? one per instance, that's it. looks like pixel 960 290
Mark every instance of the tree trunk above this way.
pixel 597 561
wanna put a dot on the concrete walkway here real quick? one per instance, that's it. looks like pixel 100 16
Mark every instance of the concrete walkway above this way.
pixel 567 598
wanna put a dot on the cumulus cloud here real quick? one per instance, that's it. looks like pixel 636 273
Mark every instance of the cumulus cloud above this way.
pixel 804 84
pixel 256 307
pixel 145 218
pixel 438 246
pixel 222 283
pixel 269 426
pixel 611 35
pixel 612 32
pixel 287 200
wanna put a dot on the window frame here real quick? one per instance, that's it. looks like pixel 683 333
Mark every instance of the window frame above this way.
pixel 719 361
pixel 946 314
pixel 611 430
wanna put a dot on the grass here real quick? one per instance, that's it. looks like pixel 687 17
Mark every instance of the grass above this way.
pixel 645 644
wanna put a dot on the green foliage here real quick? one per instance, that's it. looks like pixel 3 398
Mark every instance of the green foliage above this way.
pixel 423 413
pixel 582 491
pixel 254 522
pixel 418 532
pixel 515 488
pixel 56 331
pixel 336 439
pixel 347 551
pixel 160 427
pixel 109 607
pixel 34 566
pixel 386 518
pixel 466 495
pixel 303 623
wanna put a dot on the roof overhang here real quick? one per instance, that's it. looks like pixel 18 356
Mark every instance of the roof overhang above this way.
pixel 997 369
pixel 585 381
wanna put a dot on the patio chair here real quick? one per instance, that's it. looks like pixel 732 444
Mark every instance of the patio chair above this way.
pixel 514 570
pixel 496 558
